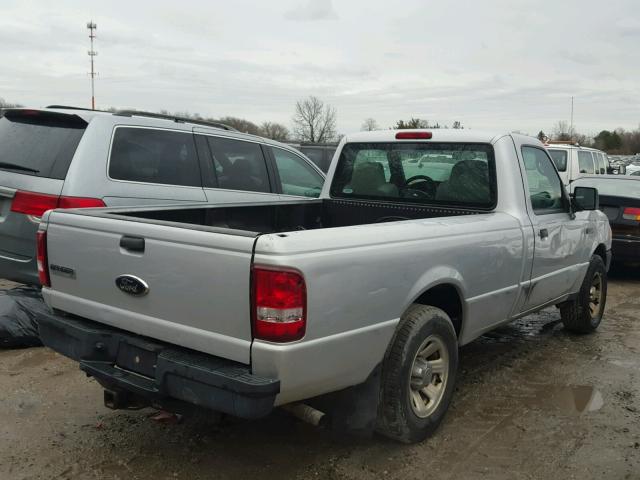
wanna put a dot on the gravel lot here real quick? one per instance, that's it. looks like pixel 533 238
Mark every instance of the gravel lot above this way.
pixel 533 402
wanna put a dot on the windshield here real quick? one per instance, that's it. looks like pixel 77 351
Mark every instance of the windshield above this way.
pixel 39 144
pixel 429 173
pixel 613 187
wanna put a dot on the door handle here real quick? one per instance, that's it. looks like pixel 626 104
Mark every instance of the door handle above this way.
pixel 588 230
pixel 133 244
pixel 544 233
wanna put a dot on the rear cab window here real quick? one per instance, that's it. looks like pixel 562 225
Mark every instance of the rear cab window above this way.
pixel 38 143
pixel 154 156
pixel 452 174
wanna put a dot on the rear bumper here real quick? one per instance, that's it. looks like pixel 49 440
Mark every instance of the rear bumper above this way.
pixel 625 249
pixel 159 372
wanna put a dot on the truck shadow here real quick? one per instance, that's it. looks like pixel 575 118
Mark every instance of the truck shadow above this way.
pixel 495 372
pixel 281 446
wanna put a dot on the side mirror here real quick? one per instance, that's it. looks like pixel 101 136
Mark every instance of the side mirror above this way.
pixel 584 198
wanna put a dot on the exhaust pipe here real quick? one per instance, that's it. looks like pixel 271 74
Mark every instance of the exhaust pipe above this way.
pixel 306 414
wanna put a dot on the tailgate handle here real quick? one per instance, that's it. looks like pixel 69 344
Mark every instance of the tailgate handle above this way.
pixel 133 244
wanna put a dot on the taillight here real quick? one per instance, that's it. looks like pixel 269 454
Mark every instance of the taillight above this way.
pixel 414 135
pixel 631 214
pixel 80 202
pixel 35 204
pixel 279 302
pixel 42 259
pixel 31 203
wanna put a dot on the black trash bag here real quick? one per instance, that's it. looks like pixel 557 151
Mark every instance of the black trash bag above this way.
pixel 20 308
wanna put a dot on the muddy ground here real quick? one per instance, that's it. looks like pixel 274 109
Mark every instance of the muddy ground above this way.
pixel 532 402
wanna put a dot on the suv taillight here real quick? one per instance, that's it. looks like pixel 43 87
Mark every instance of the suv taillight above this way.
pixel 41 256
pixel 630 213
pixel 279 302
pixel 35 204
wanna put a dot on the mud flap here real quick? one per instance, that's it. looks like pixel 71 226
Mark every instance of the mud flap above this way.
pixel 354 410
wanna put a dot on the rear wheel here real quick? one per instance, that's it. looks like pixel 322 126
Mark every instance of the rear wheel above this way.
pixel 584 314
pixel 418 375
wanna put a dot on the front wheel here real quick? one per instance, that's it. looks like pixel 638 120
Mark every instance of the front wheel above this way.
pixel 418 375
pixel 584 314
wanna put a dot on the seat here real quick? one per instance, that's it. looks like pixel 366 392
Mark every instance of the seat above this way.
pixel 468 183
pixel 239 176
pixel 368 179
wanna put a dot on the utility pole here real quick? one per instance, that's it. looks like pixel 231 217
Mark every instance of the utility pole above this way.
pixel 92 53
pixel 571 126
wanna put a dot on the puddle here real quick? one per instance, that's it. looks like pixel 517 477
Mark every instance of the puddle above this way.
pixel 575 400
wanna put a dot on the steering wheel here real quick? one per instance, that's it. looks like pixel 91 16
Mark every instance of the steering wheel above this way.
pixel 429 191
pixel 418 177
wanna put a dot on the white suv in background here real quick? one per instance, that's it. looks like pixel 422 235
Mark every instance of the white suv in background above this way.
pixel 573 161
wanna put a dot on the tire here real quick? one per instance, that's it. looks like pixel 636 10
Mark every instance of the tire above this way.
pixel 584 314
pixel 400 416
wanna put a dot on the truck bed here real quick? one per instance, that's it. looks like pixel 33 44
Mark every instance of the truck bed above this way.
pixel 253 219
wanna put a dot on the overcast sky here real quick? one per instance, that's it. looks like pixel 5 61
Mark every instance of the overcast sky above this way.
pixel 491 64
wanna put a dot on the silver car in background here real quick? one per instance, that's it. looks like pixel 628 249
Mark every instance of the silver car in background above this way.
pixel 63 157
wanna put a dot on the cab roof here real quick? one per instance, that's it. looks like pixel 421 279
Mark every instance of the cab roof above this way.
pixel 438 135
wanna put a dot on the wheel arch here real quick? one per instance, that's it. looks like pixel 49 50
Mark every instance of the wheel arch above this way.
pixel 601 251
pixel 448 297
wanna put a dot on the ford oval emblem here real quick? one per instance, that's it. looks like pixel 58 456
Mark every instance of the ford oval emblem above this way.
pixel 132 285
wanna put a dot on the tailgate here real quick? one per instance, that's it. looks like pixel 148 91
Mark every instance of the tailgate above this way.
pixel 198 281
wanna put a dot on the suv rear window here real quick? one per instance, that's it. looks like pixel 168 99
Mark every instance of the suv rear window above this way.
pixel 154 156
pixel 427 173
pixel 39 143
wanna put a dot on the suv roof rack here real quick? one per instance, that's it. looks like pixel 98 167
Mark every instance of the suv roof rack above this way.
pixel 160 116
pixel 67 107
pixel 175 118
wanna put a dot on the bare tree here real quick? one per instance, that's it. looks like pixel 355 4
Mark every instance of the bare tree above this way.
pixel 369 125
pixel 562 131
pixel 314 121
pixel 241 125
pixel 414 123
pixel 4 104
pixel 274 131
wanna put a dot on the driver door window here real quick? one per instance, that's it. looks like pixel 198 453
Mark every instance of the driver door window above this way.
pixel 545 187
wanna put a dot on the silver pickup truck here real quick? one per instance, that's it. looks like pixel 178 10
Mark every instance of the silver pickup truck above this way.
pixel 420 242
